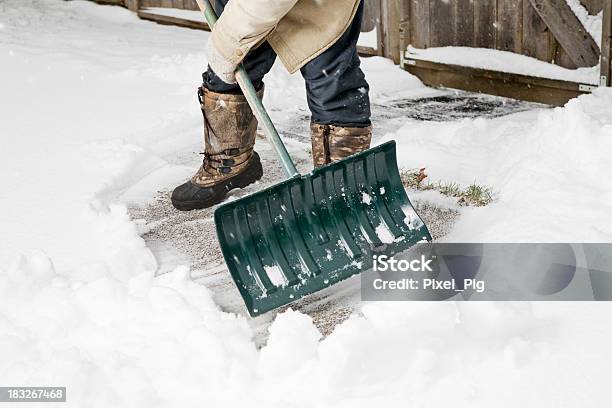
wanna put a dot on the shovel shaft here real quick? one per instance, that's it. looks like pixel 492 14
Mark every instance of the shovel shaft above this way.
pixel 264 120
pixel 254 102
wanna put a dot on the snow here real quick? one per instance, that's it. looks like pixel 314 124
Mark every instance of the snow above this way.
pixel 593 24
pixel 545 165
pixel 368 39
pixel 504 61
pixel 383 233
pixel 275 275
pixel 365 198
pixel 97 109
pixel 292 331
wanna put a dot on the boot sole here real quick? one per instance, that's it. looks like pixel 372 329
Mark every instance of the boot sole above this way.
pixel 249 176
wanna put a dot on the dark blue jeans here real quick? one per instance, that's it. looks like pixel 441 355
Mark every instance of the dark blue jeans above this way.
pixel 336 88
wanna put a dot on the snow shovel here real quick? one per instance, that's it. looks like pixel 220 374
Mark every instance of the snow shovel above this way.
pixel 312 231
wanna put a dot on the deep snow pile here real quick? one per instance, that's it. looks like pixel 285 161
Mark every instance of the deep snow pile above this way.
pixel 97 106
pixel 548 168
pixel 163 343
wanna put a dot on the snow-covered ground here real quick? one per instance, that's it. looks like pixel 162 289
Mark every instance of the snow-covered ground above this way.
pixel 547 167
pixel 98 112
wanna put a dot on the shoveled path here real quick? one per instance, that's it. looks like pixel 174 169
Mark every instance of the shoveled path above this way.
pixel 189 237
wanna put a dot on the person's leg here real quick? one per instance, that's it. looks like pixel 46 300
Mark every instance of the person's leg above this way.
pixel 336 87
pixel 229 135
pixel 337 93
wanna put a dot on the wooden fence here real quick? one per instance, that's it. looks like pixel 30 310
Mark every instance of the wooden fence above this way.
pixel 544 29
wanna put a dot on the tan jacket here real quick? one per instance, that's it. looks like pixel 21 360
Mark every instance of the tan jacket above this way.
pixel 298 30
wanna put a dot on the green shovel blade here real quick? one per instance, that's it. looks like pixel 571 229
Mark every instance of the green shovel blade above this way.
pixel 310 232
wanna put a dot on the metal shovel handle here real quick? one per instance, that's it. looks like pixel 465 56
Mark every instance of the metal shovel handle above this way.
pixel 254 102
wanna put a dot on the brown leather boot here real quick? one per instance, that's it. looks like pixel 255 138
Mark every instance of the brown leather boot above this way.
pixel 331 143
pixel 229 159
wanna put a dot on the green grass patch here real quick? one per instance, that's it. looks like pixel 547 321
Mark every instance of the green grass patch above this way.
pixel 473 195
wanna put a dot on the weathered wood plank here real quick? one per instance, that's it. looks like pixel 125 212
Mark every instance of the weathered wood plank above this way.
pixel 606 45
pixel 561 57
pixel 391 20
pixel 593 6
pixel 537 39
pixel 419 23
pixel 150 3
pixel 485 16
pixel 111 2
pixel 404 25
pixel 441 23
pixel 569 31
pixel 168 20
pixel 523 87
pixel 510 25
pixel 133 5
pixel 463 16
pixel 366 51
pixel 371 14
pixel 190 5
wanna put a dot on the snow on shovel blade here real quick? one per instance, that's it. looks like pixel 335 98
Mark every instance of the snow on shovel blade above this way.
pixel 310 232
